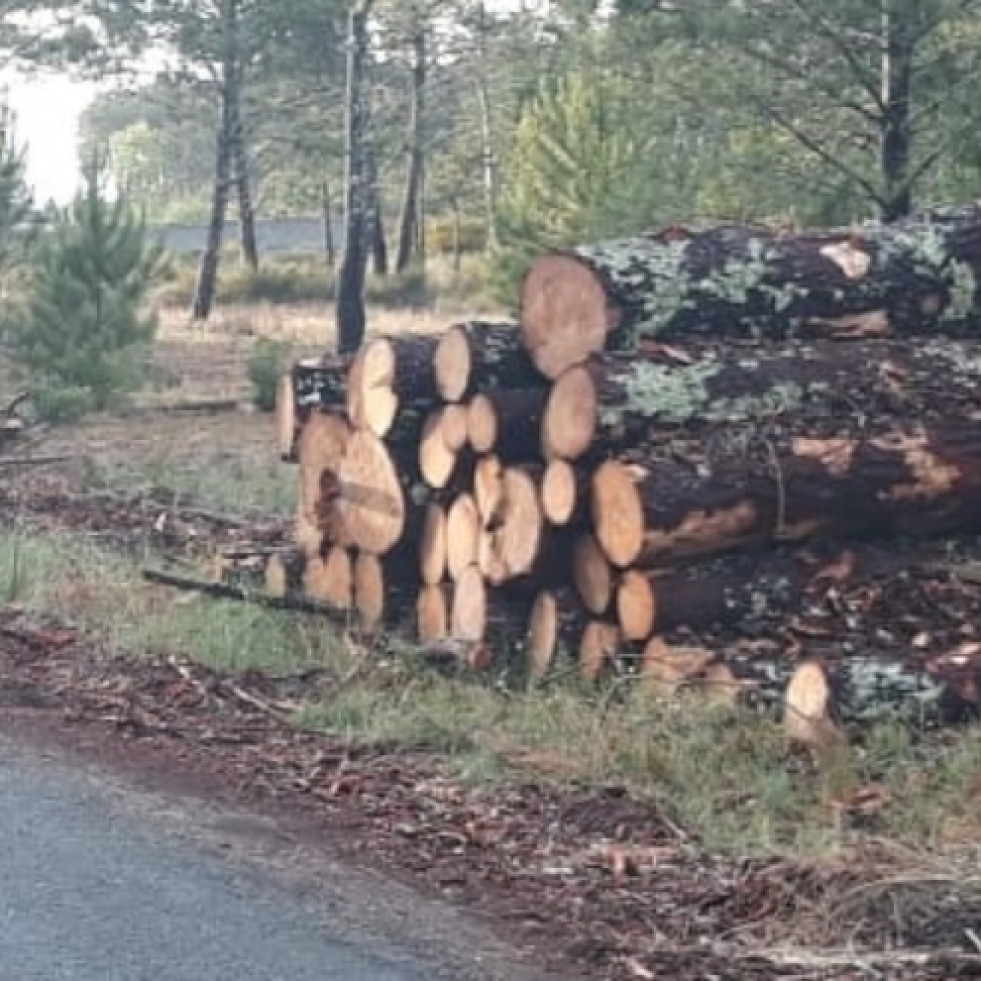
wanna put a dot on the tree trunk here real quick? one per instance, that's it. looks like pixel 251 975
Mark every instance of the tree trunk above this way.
pixel 240 163
pixel 898 52
pixel 809 388
pixel 207 282
pixel 357 210
pixel 919 276
pixel 911 480
pixel 379 244
pixel 409 217
pixel 328 212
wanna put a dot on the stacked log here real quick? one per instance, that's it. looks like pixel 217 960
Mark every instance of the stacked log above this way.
pixel 595 478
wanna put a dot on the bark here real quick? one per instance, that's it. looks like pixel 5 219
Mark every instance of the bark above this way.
pixel 376 222
pixel 898 52
pixel 391 374
pixel 476 357
pixel 357 211
pixel 409 218
pixel 819 387
pixel 508 423
pixel 240 163
pixel 319 384
pixel 207 282
pixel 330 250
pixel 918 276
pixel 914 480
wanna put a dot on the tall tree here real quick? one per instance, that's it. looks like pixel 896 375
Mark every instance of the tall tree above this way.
pixel 359 228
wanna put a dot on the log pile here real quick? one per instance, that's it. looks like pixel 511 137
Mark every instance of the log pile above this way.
pixel 591 478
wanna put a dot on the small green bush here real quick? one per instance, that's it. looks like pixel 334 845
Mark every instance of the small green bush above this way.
pixel 61 404
pixel 267 362
pixel 82 328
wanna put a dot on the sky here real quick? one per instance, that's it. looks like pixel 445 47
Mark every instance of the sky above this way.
pixel 48 112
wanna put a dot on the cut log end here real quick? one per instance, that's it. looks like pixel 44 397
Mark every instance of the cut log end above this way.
pixel 468 621
pixel 636 606
pixel 285 418
pixel 454 426
pixel 462 536
pixel 482 424
pixel 452 364
pixel 321 447
pixel 518 539
pixel 372 403
pixel 666 670
pixel 436 460
pixel 571 416
pixel 432 546
pixel 543 633
pixel 488 489
pixel 592 575
pixel 564 313
pixel 369 590
pixel 618 514
pixel 370 499
pixel 808 707
pixel 559 493
pixel 432 614
pixel 599 645
pixel 277 579
pixel 330 579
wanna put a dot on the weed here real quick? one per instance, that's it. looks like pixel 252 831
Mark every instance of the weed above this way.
pixel 267 362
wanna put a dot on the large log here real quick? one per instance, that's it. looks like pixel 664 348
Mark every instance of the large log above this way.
pixel 481 357
pixel 390 374
pixel 915 480
pixel 913 277
pixel 815 387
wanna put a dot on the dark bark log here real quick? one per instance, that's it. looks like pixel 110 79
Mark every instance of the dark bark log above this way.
pixel 902 481
pixel 919 276
pixel 508 423
pixel 818 388
pixel 357 211
pixel 391 374
pixel 478 357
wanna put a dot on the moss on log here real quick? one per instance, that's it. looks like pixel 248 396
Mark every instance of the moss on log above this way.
pixel 913 277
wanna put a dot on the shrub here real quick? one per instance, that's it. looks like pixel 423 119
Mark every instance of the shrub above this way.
pixel 267 362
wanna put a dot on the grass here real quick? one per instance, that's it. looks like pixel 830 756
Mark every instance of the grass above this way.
pixel 727 776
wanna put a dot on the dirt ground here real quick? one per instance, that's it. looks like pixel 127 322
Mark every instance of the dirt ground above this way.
pixel 587 881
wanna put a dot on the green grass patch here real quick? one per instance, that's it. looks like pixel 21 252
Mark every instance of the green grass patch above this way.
pixel 726 775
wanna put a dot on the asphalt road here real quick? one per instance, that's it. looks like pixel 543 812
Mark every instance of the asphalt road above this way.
pixel 88 894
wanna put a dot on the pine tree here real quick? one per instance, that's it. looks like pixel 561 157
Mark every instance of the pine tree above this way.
pixel 16 205
pixel 84 332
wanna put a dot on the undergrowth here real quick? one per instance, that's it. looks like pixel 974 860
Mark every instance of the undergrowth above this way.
pixel 724 775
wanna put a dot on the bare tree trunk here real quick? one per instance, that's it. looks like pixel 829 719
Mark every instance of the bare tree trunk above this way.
pixel 457 243
pixel 376 225
pixel 357 205
pixel 328 211
pixel 204 292
pixel 487 152
pixel 897 83
pixel 246 210
pixel 409 219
